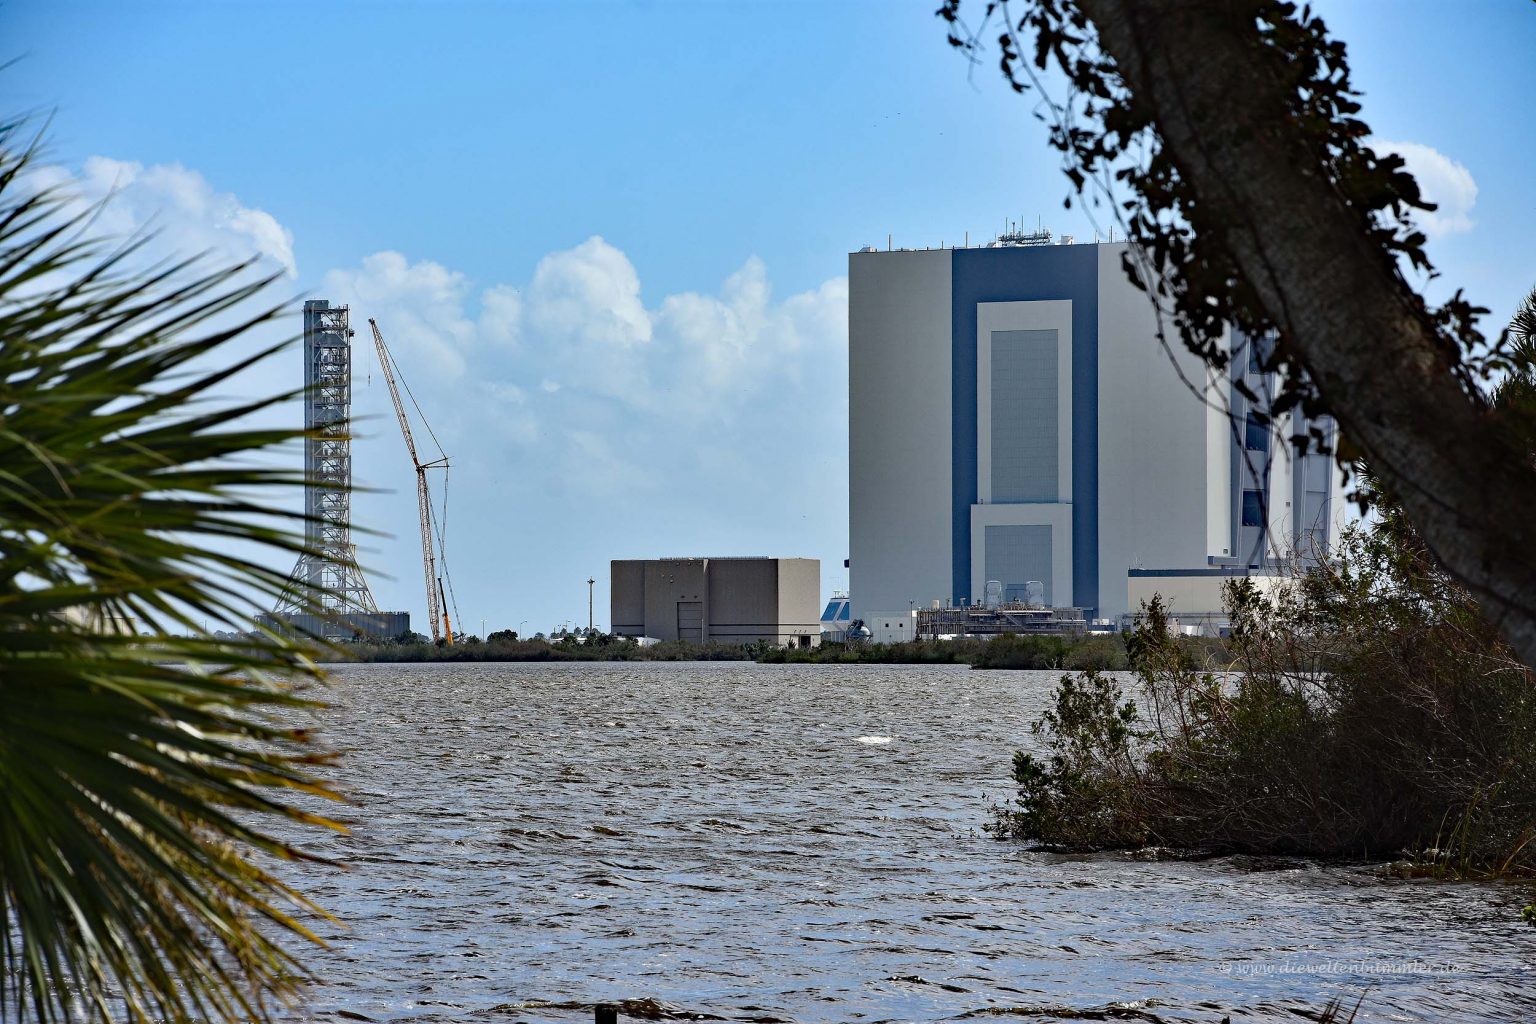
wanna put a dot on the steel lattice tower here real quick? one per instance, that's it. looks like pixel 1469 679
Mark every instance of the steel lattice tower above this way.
pixel 327 579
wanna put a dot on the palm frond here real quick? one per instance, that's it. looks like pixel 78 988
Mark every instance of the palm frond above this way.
pixel 1514 397
pixel 1522 326
pixel 146 781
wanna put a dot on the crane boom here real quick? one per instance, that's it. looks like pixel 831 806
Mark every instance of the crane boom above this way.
pixel 437 613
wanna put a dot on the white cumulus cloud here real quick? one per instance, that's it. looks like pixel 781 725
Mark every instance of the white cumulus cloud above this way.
pixel 583 422
pixel 501 314
pixel 741 338
pixel 579 329
pixel 187 215
pixel 173 214
pixel 588 296
pixel 1442 181
pixel 419 306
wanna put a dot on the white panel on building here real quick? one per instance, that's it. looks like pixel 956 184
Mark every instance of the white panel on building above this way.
pixel 999 542
pixel 1024 401
pixel 899 429
pixel 1219 434
pixel 1155 481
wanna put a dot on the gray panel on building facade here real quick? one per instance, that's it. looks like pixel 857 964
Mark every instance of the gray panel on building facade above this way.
pixel 690 621
pixel 1312 531
pixel 1024 417
pixel 1313 490
pixel 1017 555
pixel 1314 515
pixel 1251 546
pixel 1319 468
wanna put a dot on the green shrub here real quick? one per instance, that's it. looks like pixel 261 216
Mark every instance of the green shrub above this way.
pixel 1024 652
pixel 1012 651
pixel 911 652
pixel 1082 794
pixel 1372 712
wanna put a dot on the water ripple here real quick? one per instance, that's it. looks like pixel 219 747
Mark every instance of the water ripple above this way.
pixel 802 843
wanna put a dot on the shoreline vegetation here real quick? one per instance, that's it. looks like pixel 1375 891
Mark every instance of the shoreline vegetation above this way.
pixel 1100 652
pixel 1371 713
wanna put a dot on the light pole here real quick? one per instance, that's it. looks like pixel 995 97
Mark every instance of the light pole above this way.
pixel 520 626
pixel 590 581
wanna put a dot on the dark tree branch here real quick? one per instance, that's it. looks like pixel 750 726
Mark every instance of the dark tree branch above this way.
pixel 1364 337
pixel 1232 126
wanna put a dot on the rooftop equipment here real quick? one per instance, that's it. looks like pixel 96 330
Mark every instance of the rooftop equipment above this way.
pixel 1016 236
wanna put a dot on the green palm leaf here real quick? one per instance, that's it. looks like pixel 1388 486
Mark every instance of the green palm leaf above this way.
pixel 144 779
pixel 1515 396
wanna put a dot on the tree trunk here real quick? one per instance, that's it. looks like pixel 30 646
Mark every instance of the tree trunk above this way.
pixel 1357 326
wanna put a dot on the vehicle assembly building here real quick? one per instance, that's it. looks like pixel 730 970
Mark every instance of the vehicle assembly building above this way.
pixel 1015 420
pixel 718 600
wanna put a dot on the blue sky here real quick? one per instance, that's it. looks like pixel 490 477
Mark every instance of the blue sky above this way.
pixel 608 240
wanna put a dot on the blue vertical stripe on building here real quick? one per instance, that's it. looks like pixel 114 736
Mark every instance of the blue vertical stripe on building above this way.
pixel 1023 274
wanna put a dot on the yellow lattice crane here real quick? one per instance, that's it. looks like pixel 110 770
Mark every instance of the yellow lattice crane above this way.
pixel 432 552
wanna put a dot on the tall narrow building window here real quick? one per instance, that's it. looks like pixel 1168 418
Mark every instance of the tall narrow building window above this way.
pixel 1257 439
pixel 1259 348
pixel 1253 508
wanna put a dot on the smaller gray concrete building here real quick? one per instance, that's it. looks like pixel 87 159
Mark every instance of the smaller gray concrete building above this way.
pixel 718 600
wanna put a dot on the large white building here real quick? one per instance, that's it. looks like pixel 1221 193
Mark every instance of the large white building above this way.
pixel 1014 418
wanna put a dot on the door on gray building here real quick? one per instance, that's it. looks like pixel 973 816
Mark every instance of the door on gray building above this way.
pixel 690 621
pixel 1019 557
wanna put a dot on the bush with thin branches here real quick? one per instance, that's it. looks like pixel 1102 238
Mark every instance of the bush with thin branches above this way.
pixel 1371 712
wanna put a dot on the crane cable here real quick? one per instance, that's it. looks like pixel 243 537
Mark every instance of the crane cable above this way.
pixel 419 414
pixel 439 523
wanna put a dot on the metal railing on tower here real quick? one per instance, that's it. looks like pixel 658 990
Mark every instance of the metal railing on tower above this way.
pixel 327 580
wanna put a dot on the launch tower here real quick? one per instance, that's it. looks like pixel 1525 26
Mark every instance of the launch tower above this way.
pixel 329 595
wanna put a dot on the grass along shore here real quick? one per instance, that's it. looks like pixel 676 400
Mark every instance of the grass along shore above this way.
pixel 1009 651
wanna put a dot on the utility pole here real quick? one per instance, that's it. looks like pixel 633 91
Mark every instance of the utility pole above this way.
pixel 590 581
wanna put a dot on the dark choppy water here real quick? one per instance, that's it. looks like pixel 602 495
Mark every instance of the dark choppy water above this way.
pixel 802 843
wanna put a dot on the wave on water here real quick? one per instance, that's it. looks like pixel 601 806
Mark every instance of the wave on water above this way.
pixel 733 854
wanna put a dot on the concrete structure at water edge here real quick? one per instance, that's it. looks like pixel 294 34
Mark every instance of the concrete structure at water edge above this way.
pixel 718 600
pixel 1019 436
